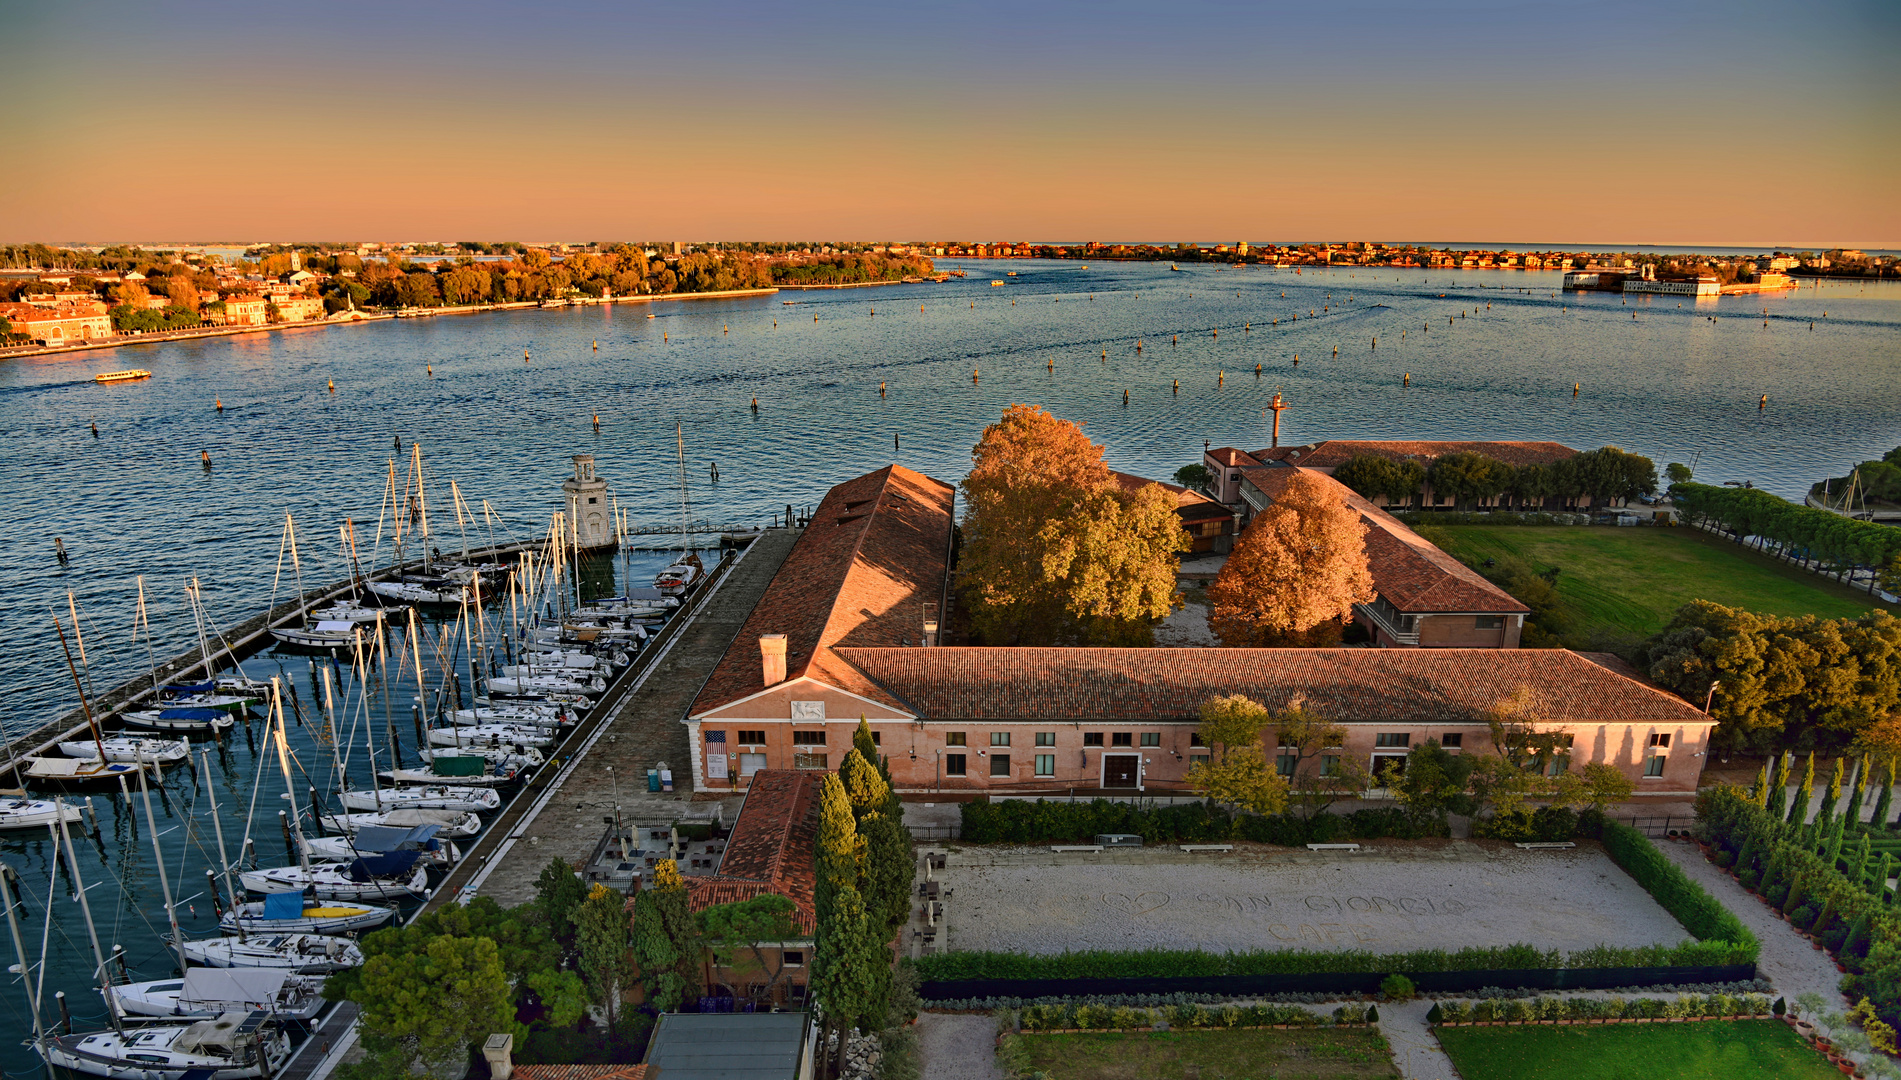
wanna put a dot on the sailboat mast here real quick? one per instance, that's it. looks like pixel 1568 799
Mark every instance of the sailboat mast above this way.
pixel 98 739
pixel 197 619
pixel 158 857
pixel 369 732
pixel 79 638
pixel 151 658
pixel 297 568
pixel 217 827
pixel 85 907
pixel 679 447
pixel 283 764
pixel 19 950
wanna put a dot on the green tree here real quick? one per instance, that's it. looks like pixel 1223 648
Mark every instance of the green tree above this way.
pixel 742 936
pixel 563 993
pixel 429 1006
pixel 890 873
pixel 848 973
pixel 1799 809
pixel 864 786
pixel 558 891
pixel 665 939
pixel 1194 477
pixel 1677 473
pixel 1467 477
pixel 604 939
pixel 1238 771
pixel 1433 783
pixel 862 741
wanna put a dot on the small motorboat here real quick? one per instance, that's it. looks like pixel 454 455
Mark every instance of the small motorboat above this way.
pixel 16 813
pixel 460 824
pixel 187 721
pixel 234 1046
pixel 435 797
pixel 66 773
pixel 393 876
pixel 290 913
pixel 526 736
pixel 382 839
pixel 207 992
pixel 309 954
pixel 676 579
pixel 131 748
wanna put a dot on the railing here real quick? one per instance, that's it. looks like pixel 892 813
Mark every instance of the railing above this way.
pixel 1658 826
pixel 935 832
pixel 1404 637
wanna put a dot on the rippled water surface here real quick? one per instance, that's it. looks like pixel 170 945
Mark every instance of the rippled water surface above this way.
pixel 1669 382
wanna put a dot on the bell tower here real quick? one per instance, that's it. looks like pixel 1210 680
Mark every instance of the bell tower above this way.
pixel 589 513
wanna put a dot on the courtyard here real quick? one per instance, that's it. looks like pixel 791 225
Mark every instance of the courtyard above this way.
pixel 1392 897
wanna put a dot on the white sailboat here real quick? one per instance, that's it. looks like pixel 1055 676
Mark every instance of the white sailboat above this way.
pixel 459 824
pixel 130 748
pixel 180 719
pixel 234 1046
pixel 423 798
pixel 35 813
pixel 381 839
pixel 547 684
pixel 312 954
pixel 287 913
pixel 495 735
pixel 395 876
pixel 520 712
pixel 209 992
pixel 519 758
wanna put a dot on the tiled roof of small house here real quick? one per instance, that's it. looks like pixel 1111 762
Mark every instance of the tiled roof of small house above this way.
pixel 1443 686
pixel 584 1072
pixel 770 849
pixel 1190 505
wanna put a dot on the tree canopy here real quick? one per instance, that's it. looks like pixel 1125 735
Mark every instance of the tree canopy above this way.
pixel 1299 565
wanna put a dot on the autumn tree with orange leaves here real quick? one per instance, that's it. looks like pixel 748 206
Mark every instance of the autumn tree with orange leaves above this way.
pixel 1055 550
pixel 1296 570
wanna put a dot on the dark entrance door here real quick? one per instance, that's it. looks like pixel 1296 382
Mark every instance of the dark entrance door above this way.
pixel 1119 770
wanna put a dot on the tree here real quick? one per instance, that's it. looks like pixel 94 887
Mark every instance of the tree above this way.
pixel 1300 564
pixel 1194 477
pixel 1238 771
pixel 864 786
pixel 563 994
pixel 431 1005
pixel 1433 783
pixel 890 871
pixel 1466 477
pixel 1799 809
pixel 558 891
pixel 845 970
pixel 863 742
pixel 1054 549
pixel 602 933
pixel 523 944
pixel 1317 779
pixel 739 933
pixel 1678 473
pixel 839 850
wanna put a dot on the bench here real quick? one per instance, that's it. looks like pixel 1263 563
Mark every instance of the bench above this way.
pixel 1076 847
pixel 1333 847
pixel 1191 848
pixel 1545 844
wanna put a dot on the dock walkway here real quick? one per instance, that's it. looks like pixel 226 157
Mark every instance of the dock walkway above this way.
pixel 645 730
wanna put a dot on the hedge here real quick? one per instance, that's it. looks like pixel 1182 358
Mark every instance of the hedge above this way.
pixel 1018 821
pixel 1526 1010
pixel 1689 903
pixel 1073 1017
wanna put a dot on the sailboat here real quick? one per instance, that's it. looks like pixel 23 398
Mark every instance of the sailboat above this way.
pixel 394 875
pixel 67 773
pixel 460 824
pixel 491 735
pixel 130 748
pixel 423 798
pixel 290 913
pixel 234 1046
pixel 382 839
pixel 18 813
pixel 311 954
pixel 519 758
pixel 184 720
pixel 210 992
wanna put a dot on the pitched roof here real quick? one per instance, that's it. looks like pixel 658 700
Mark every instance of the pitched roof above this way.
pixel 877 549
pixel 1335 452
pixel 1441 686
pixel 1412 573
pixel 1230 457
pixel 584 1072
pixel 1190 505
pixel 770 849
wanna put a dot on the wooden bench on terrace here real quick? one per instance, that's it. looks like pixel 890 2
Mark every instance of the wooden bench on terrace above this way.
pixel 1076 847
pixel 1192 848
pixel 1543 845
pixel 1333 847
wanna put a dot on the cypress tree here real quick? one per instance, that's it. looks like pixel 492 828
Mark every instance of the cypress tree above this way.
pixel 1855 946
pixel 1883 872
pixel 1799 809
pixel 1858 862
pixel 844 976
pixel 1746 857
pixel 1879 819
pixel 864 786
pixel 1833 796
pixel 1797 893
pixel 861 740
pixel 1833 852
pixel 1853 813
pixel 1759 791
pixel 1820 925
pixel 1778 786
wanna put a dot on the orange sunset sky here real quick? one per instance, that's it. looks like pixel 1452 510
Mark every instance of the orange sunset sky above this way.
pixel 1683 123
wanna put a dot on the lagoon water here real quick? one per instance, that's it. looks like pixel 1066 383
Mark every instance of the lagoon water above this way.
pixel 1669 383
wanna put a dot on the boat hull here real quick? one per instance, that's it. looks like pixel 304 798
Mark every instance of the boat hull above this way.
pixel 333 883
pixel 338 919
pixel 307 954
pixel 430 798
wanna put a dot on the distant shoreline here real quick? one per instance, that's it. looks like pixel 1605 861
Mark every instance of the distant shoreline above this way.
pixel 119 341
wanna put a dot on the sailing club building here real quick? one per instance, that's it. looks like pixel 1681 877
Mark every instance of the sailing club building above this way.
pixel 847 629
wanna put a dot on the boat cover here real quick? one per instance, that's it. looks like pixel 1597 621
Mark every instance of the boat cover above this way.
pixel 328 627
pixel 225 986
pixel 283 905
pixel 459 765
pixel 389 838
pixel 387 865
pixel 181 689
pixel 190 714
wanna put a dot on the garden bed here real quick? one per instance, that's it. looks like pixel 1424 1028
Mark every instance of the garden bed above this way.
pixel 1305 1054
pixel 1694 1050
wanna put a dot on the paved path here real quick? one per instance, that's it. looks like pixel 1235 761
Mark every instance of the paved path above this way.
pixel 957 1047
pixel 645 731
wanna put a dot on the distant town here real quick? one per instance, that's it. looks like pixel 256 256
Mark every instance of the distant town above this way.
pixel 63 297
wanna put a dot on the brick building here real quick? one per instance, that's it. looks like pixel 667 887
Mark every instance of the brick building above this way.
pixel 59 323
pixel 770 850
pixel 839 634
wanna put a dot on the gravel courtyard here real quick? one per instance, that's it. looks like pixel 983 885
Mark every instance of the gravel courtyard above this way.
pixel 1389 898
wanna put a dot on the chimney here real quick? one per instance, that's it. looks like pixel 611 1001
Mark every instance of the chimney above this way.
pixel 499 1050
pixel 772 655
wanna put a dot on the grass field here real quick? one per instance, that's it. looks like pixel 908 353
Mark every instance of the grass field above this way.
pixel 1633 580
pixel 1729 1049
pixel 1309 1054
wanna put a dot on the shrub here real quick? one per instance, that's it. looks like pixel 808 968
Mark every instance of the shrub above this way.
pixel 1804 917
pixel 1397 987
pixel 1021 822
pixel 1725 860
pixel 1699 912
pixel 1436 1014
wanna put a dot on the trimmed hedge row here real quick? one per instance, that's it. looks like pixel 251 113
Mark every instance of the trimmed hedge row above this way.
pixel 1527 1010
pixel 1018 821
pixel 1689 903
pixel 1068 1017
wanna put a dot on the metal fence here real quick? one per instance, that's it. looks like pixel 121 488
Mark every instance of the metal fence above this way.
pixel 935 832
pixel 1659 826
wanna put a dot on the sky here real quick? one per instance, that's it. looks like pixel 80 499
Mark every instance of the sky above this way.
pixel 1687 123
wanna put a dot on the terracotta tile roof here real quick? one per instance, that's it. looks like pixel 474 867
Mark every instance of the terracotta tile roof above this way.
pixel 1441 686
pixel 1190 505
pixel 1336 452
pixel 584 1072
pixel 1230 457
pixel 1413 574
pixel 770 849
pixel 875 552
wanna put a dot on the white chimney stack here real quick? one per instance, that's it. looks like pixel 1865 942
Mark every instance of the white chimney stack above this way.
pixel 772 655
pixel 499 1050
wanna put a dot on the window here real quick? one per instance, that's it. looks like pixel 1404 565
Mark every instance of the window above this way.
pixel 953 764
pixel 1393 738
pixel 1122 738
pixel 1654 766
pixel 1286 740
pixel 1000 765
pixel 1151 738
pixel 1195 740
pixel 1284 764
pixel 809 738
pixel 1452 740
pixel 953 738
pixel 1490 622
pixel 794 958
pixel 999 738
pixel 1660 740
pixel 1197 759
pixel 1092 738
pixel 1046 738
pixel 810 761
pixel 751 763
pixel 1046 764
pixel 1329 764
pixel 877 738
pixel 752 738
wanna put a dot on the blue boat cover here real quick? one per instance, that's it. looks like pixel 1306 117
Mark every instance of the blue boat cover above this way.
pixel 190 714
pixel 375 838
pixel 283 905
pixel 190 688
pixel 387 865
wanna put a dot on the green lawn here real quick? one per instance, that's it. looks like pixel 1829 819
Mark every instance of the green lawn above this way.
pixel 1728 1049
pixel 1303 1054
pixel 1634 579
